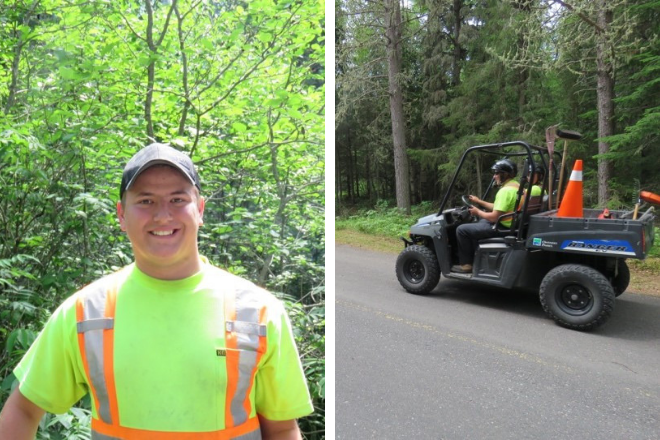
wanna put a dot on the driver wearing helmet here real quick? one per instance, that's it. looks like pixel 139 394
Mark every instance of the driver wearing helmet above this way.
pixel 469 234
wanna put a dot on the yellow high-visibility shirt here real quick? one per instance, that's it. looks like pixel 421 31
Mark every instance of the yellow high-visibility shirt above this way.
pixel 169 375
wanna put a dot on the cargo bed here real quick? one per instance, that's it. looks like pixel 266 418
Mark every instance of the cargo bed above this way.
pixel 616 236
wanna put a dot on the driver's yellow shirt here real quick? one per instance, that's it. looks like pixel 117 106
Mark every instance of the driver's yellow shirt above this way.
pixel 505 200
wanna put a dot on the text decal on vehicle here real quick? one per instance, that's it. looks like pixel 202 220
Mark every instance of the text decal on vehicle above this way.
pixel 618 247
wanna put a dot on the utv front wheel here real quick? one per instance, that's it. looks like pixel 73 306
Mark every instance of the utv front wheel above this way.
pixel 417 269
pixel 577 297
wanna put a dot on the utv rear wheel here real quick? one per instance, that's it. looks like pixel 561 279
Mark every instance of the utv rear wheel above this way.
pixel 417 269
pixel 577 297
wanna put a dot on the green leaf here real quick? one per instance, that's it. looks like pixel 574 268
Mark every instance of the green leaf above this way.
pixel 239 127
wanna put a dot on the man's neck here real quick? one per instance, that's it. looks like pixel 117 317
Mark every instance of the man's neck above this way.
pixel 173 272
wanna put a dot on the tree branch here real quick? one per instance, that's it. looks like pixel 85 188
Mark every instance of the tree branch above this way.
pixel 581 15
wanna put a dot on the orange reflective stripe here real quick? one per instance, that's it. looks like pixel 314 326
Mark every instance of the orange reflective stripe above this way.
pixel 109 354
pixel 122 432
pixel 95 311
pixel 80 317
pixel 246 331
pixel 231 342
pixel 260 352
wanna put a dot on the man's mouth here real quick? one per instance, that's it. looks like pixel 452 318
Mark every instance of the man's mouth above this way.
pixel 163 233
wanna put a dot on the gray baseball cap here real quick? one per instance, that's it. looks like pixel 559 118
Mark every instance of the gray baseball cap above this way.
pixel 157 154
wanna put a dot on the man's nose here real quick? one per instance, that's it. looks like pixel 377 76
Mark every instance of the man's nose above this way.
pixel 162 212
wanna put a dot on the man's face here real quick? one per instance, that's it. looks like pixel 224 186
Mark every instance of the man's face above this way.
pixel 161 214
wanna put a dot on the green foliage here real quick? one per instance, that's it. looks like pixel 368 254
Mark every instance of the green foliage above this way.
pixel 239 86
pixel 73 425
pixel 383 220
pixel 309 332
pixel 495 71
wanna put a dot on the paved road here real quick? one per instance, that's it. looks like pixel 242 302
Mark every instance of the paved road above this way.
pixel 481 363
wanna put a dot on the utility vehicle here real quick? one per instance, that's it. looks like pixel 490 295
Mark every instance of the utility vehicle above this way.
pixel 577 265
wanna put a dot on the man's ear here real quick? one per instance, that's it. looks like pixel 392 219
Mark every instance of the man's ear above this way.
pixel 120 216
pixel 201 203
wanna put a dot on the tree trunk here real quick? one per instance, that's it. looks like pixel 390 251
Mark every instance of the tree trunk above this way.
pixel 151 72
pixel 605 91
pixel 370 183
pixel 401 172
pixel 356 172
pixel 349 169
pixel 338 186
pixel 457 58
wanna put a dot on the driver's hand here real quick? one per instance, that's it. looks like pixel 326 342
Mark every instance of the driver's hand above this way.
pixel 474 211
pixel 474 199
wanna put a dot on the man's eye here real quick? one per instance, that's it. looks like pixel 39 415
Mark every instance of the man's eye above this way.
pixel 145 202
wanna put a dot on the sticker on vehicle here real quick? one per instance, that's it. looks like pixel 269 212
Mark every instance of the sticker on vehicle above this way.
pixel 613 247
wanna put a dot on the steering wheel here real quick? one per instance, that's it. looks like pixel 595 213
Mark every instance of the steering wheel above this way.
pixel 466 201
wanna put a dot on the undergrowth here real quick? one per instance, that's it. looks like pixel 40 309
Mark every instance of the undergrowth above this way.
pixel 382 220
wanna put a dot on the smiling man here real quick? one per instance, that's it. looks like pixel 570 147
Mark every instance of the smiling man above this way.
pixel 169 346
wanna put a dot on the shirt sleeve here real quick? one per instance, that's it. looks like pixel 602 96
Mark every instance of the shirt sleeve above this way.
pixel 50 373
pixel 281 387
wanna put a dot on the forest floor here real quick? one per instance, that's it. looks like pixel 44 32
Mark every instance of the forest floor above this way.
pixel 644 275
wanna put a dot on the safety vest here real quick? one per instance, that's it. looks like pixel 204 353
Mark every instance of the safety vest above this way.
pixel 245 340
pixel 514 185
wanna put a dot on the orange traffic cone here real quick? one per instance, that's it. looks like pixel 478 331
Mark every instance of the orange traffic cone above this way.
pixel 571 204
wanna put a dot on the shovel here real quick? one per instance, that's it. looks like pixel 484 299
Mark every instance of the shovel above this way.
pixel 550 135
pixel 566 135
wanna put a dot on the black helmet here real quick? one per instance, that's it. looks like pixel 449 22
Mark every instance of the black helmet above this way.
pixel 505 166
pixel 540 170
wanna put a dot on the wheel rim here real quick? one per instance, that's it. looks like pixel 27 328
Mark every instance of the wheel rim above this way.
pixel 415 271
pixel 575 299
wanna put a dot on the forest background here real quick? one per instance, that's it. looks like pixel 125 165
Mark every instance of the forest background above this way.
pixel 237 85
pixel 419 81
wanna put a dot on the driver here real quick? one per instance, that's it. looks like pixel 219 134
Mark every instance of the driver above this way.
pixel 469 234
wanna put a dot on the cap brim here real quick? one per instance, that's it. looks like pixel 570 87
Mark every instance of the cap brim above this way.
pixel 153 162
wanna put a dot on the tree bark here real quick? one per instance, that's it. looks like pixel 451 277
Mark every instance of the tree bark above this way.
pixel 16 60
pixel 401 171
pixel 457 58
pixel 151 72
pixel 151 69
pixel 605 91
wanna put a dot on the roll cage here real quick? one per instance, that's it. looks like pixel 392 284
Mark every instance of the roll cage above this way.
pixel 527 157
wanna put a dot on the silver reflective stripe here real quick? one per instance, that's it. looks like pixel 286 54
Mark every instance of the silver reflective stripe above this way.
pixel 99 436
pixel 96 324
pixel 249 328
pixel 248 331
pixel 254 435
pixel 93 312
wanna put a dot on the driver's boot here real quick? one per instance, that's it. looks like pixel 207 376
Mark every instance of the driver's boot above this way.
pixel 462 268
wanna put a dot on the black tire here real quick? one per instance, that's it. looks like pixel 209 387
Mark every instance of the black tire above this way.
pixel 622 279
pixel 577 297
pixel 417 269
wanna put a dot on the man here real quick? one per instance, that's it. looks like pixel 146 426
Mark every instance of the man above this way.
pixel 537 192
pixel 169 346
pixel 469 234
pixel 537 180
